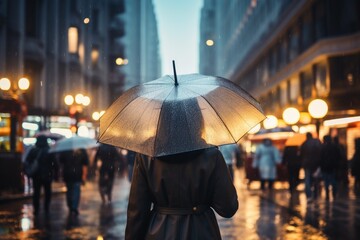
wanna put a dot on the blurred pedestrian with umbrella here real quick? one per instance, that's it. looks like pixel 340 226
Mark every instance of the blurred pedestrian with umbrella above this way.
pixel 108 157
pixel 74 160
pixel 74 169
pixel 39 165
pixel 174 124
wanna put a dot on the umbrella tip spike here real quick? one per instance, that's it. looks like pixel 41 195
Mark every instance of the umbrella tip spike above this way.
pixel 175 76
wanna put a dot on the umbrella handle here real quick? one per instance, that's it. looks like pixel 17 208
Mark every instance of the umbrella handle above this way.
pixel 176 81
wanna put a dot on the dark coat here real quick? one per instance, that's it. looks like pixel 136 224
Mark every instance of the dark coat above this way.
pixel 73 163
pixel 110 157
pixel 355 161
pixel 180 181
pixel 330 158
pixel 46 162
pixel 310 154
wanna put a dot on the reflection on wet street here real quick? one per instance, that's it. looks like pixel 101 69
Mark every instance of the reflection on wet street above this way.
pixel 261 215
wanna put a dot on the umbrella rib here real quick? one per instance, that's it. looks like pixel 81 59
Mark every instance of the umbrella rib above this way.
pixel 116 117
pixel 120 113
pixel 245 92
pixel 217 114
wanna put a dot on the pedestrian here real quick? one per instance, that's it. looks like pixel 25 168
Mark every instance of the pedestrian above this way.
pixel 266 159
pixel 108 158
pixel 41 163
pixel 291 159
pixel 330 158
pixel 343 171
pixel 310 157
pixel 74 166
pixel 355 166
pixel 183 188
pixel 130 157
pixel 231 153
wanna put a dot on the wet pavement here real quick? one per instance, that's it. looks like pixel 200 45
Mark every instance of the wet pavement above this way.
pixel 261 215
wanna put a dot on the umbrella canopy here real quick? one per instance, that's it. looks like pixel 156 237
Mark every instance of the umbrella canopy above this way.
pixel 178 114
pixel 72 143
pixel 296 140
pixel 48 134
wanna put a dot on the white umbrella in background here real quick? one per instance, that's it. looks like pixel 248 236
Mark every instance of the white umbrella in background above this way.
pixel 75 142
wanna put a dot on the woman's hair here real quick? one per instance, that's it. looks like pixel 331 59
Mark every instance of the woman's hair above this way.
pixel 181 126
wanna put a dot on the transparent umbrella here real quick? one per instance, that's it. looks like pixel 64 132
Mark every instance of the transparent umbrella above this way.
pixel 75 142
pixel 175 114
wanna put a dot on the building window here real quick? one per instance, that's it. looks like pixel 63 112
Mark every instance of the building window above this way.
pixel 293 90
pixel 320 20
pixel 306 84
pixel 283 94
pixel 294 42
pixel 344 72
pixel 95 20
pixel 322 84
pixel 32 15
pixel 307 33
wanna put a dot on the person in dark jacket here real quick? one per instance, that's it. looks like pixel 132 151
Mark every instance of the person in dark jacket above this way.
pixel 329 164
pixel 74 166
pixel 291 158
pixel 43 176
pixel 183 189
pixel 130 157
pixel 355 166
pixel 109 157
pixel 343 171
pixel 310 157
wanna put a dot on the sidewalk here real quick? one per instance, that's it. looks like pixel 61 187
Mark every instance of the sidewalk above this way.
pixel 57 187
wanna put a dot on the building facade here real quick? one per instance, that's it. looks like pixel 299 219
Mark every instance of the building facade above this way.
pixel 63 47
pixel 287 53
pixel 142 43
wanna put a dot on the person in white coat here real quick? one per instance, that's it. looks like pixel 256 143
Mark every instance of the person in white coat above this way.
pixel 266 158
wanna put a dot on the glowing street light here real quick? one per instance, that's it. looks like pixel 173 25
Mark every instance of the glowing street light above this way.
pixel 69 100
pixel 255 129
pixel 291 116
pixel 24 84
pixel 5 84
pixel 15 90
pixel 270 122
pixel 318 109
pixel 210 42
pixel 76 105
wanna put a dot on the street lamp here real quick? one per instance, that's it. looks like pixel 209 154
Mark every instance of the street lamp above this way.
pixel 12 92
pixel 318 109
pixel 97 115
pixel 270 122
pixel 15 90
pixel 76 106
pixel 291 116
pixel 255 129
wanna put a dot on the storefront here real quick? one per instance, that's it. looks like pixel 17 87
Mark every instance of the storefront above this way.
pixel 12 113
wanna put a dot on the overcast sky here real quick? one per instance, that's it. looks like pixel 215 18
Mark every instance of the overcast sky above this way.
pixel 178 26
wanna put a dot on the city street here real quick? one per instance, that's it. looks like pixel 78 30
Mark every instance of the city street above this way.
pixel 260 216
